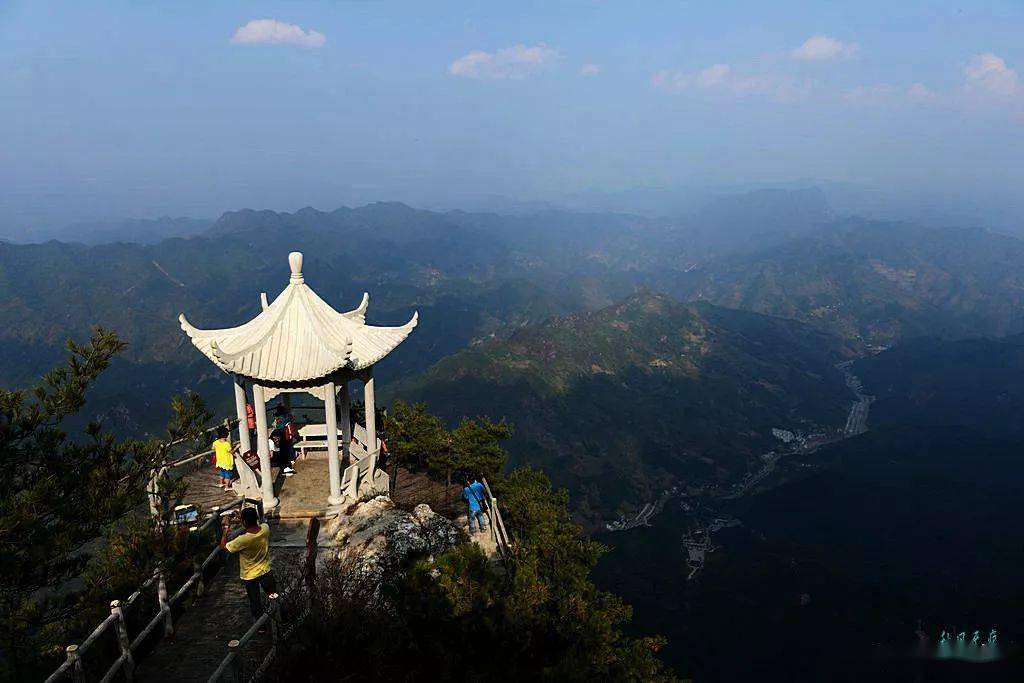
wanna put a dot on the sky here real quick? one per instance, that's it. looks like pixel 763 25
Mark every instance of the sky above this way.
pixel 150 108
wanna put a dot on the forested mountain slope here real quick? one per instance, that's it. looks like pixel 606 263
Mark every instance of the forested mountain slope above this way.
pixel 478 276
pixel 625 401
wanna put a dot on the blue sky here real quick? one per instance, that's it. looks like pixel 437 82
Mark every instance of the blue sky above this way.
pixel 148 107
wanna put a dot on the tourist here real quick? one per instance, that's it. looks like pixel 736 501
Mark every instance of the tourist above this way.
pixel 481 494
pixel 477 517
pixel 253 547
pixel 277 456
pixel 250 420
pixel 224 457
pixel 284 425
pixel 382 456
pixel 274 447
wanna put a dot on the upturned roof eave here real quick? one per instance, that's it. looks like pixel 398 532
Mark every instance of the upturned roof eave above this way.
pixel 329 343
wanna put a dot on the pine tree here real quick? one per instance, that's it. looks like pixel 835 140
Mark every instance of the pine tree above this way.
pixel 59 492
pixel 476 446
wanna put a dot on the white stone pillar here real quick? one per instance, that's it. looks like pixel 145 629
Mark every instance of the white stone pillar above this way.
pixel 371 420
pixel 333 466
pixel 263 447
pixel 346 424
pixel 245 444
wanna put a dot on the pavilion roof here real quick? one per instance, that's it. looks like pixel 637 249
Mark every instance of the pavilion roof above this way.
pixel 298 337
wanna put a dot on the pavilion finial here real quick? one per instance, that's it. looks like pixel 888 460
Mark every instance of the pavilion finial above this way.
pixel 295 261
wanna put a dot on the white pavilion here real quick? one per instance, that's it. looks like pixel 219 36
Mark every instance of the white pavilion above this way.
pixel 299 343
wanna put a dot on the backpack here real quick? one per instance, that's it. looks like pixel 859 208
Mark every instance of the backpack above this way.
pixel 291 432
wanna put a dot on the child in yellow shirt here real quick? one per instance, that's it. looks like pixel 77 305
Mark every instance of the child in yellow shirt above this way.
pixel 224 457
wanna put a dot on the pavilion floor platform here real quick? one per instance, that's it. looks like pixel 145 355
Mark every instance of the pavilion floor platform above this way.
pixel 304 494
pixel 301 496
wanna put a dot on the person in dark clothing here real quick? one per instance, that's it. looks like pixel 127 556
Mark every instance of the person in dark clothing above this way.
pixel 284 426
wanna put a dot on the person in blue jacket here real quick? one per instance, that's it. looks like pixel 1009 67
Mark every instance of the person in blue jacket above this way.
pixel 475 496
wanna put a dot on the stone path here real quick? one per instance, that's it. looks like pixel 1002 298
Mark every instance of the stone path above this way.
pixel 202 634
pixel 203 630
pixel 485 540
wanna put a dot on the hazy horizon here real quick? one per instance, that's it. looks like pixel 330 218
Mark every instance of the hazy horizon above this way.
pixel 142 111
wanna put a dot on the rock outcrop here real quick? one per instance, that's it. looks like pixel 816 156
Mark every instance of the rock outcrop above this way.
pixel 377 541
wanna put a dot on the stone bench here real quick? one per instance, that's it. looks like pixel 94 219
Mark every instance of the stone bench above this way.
pixel 313 437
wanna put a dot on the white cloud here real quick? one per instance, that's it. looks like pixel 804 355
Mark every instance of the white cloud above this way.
pixel 518 61
pixel 921 93
pixel 676 81
pixel 722 78
pixel 821 48
pixel 870 95
pixel 989 72
pixel 274 32
pixel 590 70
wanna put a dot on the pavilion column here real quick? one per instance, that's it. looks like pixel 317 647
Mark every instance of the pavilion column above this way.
pixel 333 466
pixel 245 445
pixel 346 424
pixel 371 420
pixel 263 448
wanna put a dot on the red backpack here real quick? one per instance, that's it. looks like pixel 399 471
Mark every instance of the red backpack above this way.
pixel 291 432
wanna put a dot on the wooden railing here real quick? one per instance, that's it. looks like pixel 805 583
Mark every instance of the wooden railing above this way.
pixel 190 462
pixel 498 532
pixel 91 660
pixel 282 619
pixel 234 665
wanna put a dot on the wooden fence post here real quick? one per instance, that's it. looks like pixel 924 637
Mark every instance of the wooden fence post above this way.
pixel 309 573
pixel 236 661
pixel 128 667
pixel 197 569
pixel 275 616
pixel 165 607
pixel 77 673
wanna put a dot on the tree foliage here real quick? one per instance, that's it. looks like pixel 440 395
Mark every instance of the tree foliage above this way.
pixel 476 446
pixel 556 613
pixel 61 494
pixel 459 617
pixel 413 434
pixel 418 440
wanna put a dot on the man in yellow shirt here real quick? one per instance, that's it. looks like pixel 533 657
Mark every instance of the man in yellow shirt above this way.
pixel 253 548
pixel 224 456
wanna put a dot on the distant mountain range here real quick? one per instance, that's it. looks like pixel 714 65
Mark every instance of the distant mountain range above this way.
pixel 132 230
pixel 876 282
pixel 481 276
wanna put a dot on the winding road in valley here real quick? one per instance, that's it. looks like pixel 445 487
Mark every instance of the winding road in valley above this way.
pixel 856 424
pixel 857 420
